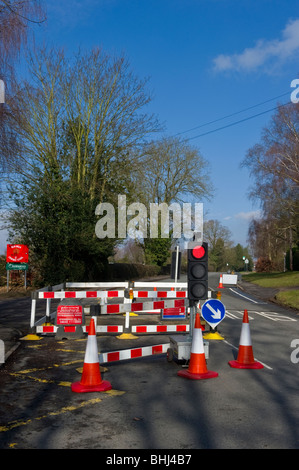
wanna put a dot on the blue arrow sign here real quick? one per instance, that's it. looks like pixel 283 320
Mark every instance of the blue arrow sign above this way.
pixel 213 312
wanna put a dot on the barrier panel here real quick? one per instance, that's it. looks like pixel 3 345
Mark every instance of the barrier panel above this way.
pixel 142 306
pixel 106 291
pixel 43 329
pixel 159 294
pixel 59 292
pixel 80 294
pixel 230 279
pixel 125 354
pixel 160 328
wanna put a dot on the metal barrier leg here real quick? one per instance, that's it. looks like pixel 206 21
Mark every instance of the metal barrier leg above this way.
pixel 31 336
pixel 33 308
pixel 127 334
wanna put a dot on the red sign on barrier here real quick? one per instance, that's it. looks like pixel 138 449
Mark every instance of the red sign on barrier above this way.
pixel 173 313
pixel 69 315
pixel 17 254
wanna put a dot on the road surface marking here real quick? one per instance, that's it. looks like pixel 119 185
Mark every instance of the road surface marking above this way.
pixel 247 298
pixel 275 316
pixel 235 317
pixel 65 409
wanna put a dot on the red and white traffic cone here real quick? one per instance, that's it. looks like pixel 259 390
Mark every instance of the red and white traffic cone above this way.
pixel 221 282
pixel 91 380
pixel 197 365
pixel 245 359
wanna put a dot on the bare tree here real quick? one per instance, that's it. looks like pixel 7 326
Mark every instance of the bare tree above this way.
pixel 170 170
pixel 274 166
pixel 16 18
pixel 164 172
pixel 214 231
pixel 79 118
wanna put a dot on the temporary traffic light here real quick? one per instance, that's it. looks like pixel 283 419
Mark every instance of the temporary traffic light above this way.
pixel 198 272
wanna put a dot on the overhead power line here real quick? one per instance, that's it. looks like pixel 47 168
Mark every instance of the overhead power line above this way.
pixel 231 115
pixel 236 122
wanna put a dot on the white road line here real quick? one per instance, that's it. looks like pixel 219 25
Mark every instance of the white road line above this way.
pixel 232 346
pixel 235 317
pixel 231 315
pixel 275 316
pixel 245 297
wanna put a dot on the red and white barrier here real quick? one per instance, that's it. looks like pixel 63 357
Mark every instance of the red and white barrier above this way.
pixel 125 354
pixel 159 294
pixel 43 329
pixel 160 328
pixel 143 306
pixel 81 294
pixel 177 299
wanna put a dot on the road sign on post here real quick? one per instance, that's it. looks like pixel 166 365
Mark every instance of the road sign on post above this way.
pixel 213 312
pixel 17 266
pixel 198 272
pixel 17 253
pixel 16 260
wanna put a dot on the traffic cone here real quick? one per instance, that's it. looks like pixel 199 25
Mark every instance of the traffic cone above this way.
pixel 245 359
pixel 91 380
pixel 197 365
pixel 220 283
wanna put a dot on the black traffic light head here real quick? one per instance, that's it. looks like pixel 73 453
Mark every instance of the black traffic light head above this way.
pixel 198 272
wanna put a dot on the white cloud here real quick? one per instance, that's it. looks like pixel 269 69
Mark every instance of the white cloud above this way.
pixel 263 52
pixel 248 215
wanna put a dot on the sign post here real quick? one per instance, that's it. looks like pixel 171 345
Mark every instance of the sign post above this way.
pixel 17 260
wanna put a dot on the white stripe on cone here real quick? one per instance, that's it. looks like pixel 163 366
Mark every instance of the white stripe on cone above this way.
pixel 245 338
pixel 91 353
pixel 197 346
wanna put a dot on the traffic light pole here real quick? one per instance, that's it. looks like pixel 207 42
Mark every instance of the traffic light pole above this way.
pixel 192 319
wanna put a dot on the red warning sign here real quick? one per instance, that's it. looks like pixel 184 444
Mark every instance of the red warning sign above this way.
pixel 17 254
pixel 174 313
pixel 69 315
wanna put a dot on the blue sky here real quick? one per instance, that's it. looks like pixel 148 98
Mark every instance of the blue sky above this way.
pixel 206 59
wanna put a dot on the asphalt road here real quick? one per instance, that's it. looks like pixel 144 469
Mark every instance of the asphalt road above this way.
pixel 150 406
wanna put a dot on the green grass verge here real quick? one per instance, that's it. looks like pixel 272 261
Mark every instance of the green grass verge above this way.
pixel 276 279
pixel 289 298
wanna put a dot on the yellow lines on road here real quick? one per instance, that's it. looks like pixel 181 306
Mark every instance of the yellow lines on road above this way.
pixel 44 381
pixel 27 373
pixel 65 409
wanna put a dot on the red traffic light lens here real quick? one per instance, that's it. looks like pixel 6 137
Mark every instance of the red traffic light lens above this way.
pixel 198 252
